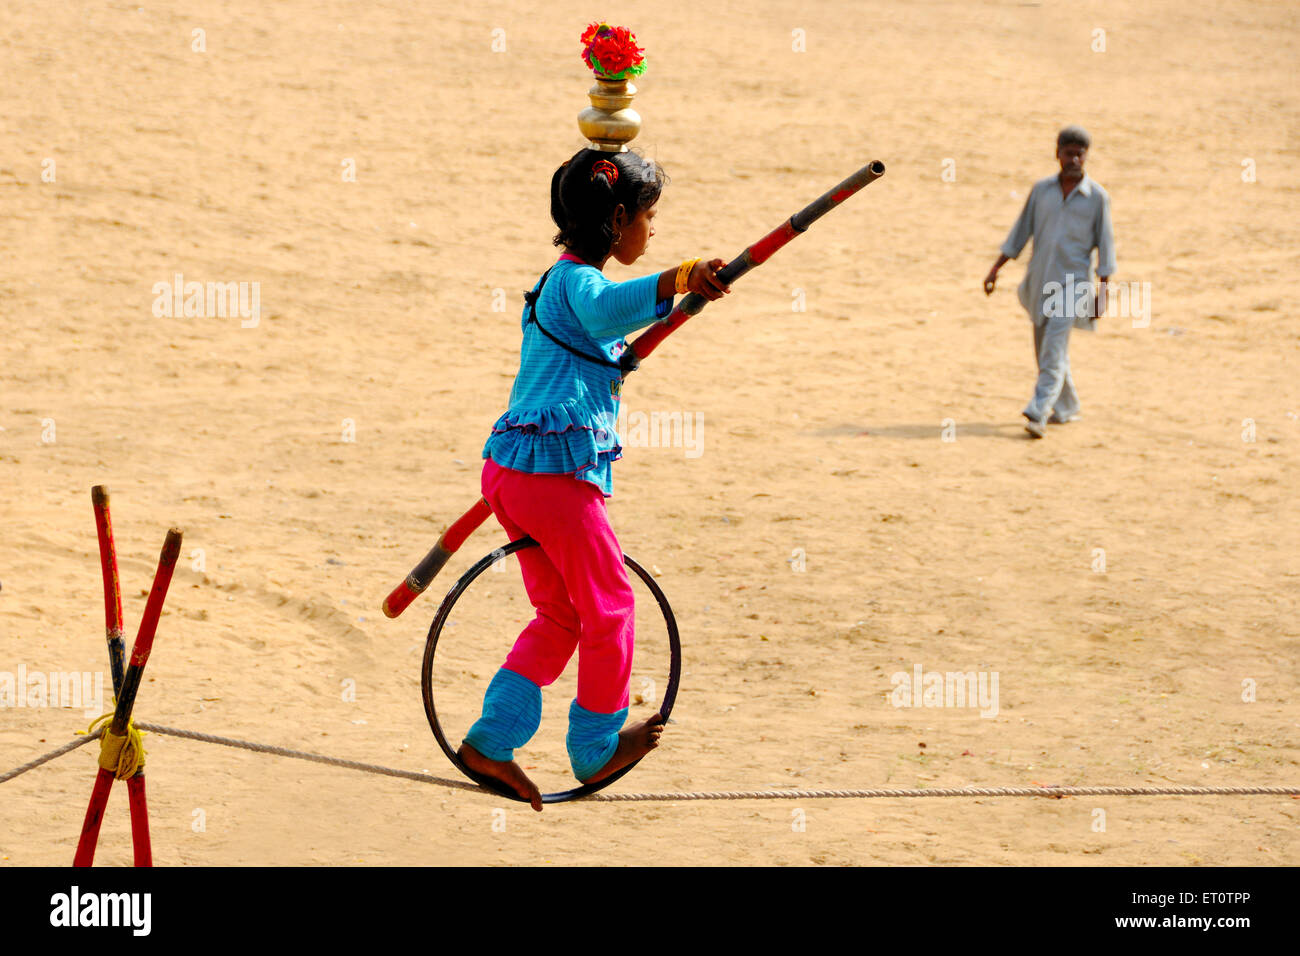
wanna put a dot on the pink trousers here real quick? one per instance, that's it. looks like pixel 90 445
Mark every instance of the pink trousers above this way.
pixel 576 580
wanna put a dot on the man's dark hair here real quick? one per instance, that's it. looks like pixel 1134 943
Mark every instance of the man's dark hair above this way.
pixel 583 206
pixel 1073 135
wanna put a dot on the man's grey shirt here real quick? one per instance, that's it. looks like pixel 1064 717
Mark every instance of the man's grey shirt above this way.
pixel 1065 231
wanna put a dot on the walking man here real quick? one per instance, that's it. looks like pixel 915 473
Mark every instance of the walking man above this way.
pixel 1068 216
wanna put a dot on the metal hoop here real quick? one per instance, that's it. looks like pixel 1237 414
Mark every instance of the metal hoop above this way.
pixel 430 648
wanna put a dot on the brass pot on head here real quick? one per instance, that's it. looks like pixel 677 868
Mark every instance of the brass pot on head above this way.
pixel 610 123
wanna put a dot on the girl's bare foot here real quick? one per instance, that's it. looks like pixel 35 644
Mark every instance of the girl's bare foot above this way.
pixel 633 744
pixel 506 771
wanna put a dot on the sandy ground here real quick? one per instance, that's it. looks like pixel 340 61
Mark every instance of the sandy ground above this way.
pixel 822 431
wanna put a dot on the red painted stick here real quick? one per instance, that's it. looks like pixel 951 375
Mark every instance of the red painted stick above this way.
pixel 112 588
pixel 451 539
pixel 94 817
pixel 126 698
pixel 162 579
pixel 755 255
pixel 139 820
pixel 113 628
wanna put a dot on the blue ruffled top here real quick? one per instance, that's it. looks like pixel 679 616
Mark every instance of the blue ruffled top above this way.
pixel 563 408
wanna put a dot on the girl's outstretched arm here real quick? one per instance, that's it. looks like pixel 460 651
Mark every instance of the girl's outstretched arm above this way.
pixel 703 279
pixel 610 310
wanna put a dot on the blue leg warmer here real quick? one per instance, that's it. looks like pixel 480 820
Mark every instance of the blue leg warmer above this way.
pixel 592 739
pixel 512 712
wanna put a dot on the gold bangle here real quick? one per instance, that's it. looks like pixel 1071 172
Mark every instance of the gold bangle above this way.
pixel 684 274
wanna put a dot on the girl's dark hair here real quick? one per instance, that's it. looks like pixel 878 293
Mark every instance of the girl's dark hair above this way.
pixel 583 206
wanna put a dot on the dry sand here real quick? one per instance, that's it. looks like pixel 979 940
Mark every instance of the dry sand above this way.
pixel 821 429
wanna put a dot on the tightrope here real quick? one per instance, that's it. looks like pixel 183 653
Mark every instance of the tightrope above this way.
pixel 672 795
pixel 315 758
pixel 949 792
pixel 70 746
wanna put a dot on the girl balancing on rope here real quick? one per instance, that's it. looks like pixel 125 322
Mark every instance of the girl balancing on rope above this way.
pixel 547 468
pixel 547 472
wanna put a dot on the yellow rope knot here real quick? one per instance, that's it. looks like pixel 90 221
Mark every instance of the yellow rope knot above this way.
pixel 123 754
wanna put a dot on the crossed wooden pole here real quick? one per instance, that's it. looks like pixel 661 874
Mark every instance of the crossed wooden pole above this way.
pixel 116 744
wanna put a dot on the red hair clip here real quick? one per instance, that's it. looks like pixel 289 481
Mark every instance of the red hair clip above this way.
pixel 606 167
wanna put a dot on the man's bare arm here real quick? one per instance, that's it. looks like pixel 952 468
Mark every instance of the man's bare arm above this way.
pixel 991 279
pixel 1099 305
